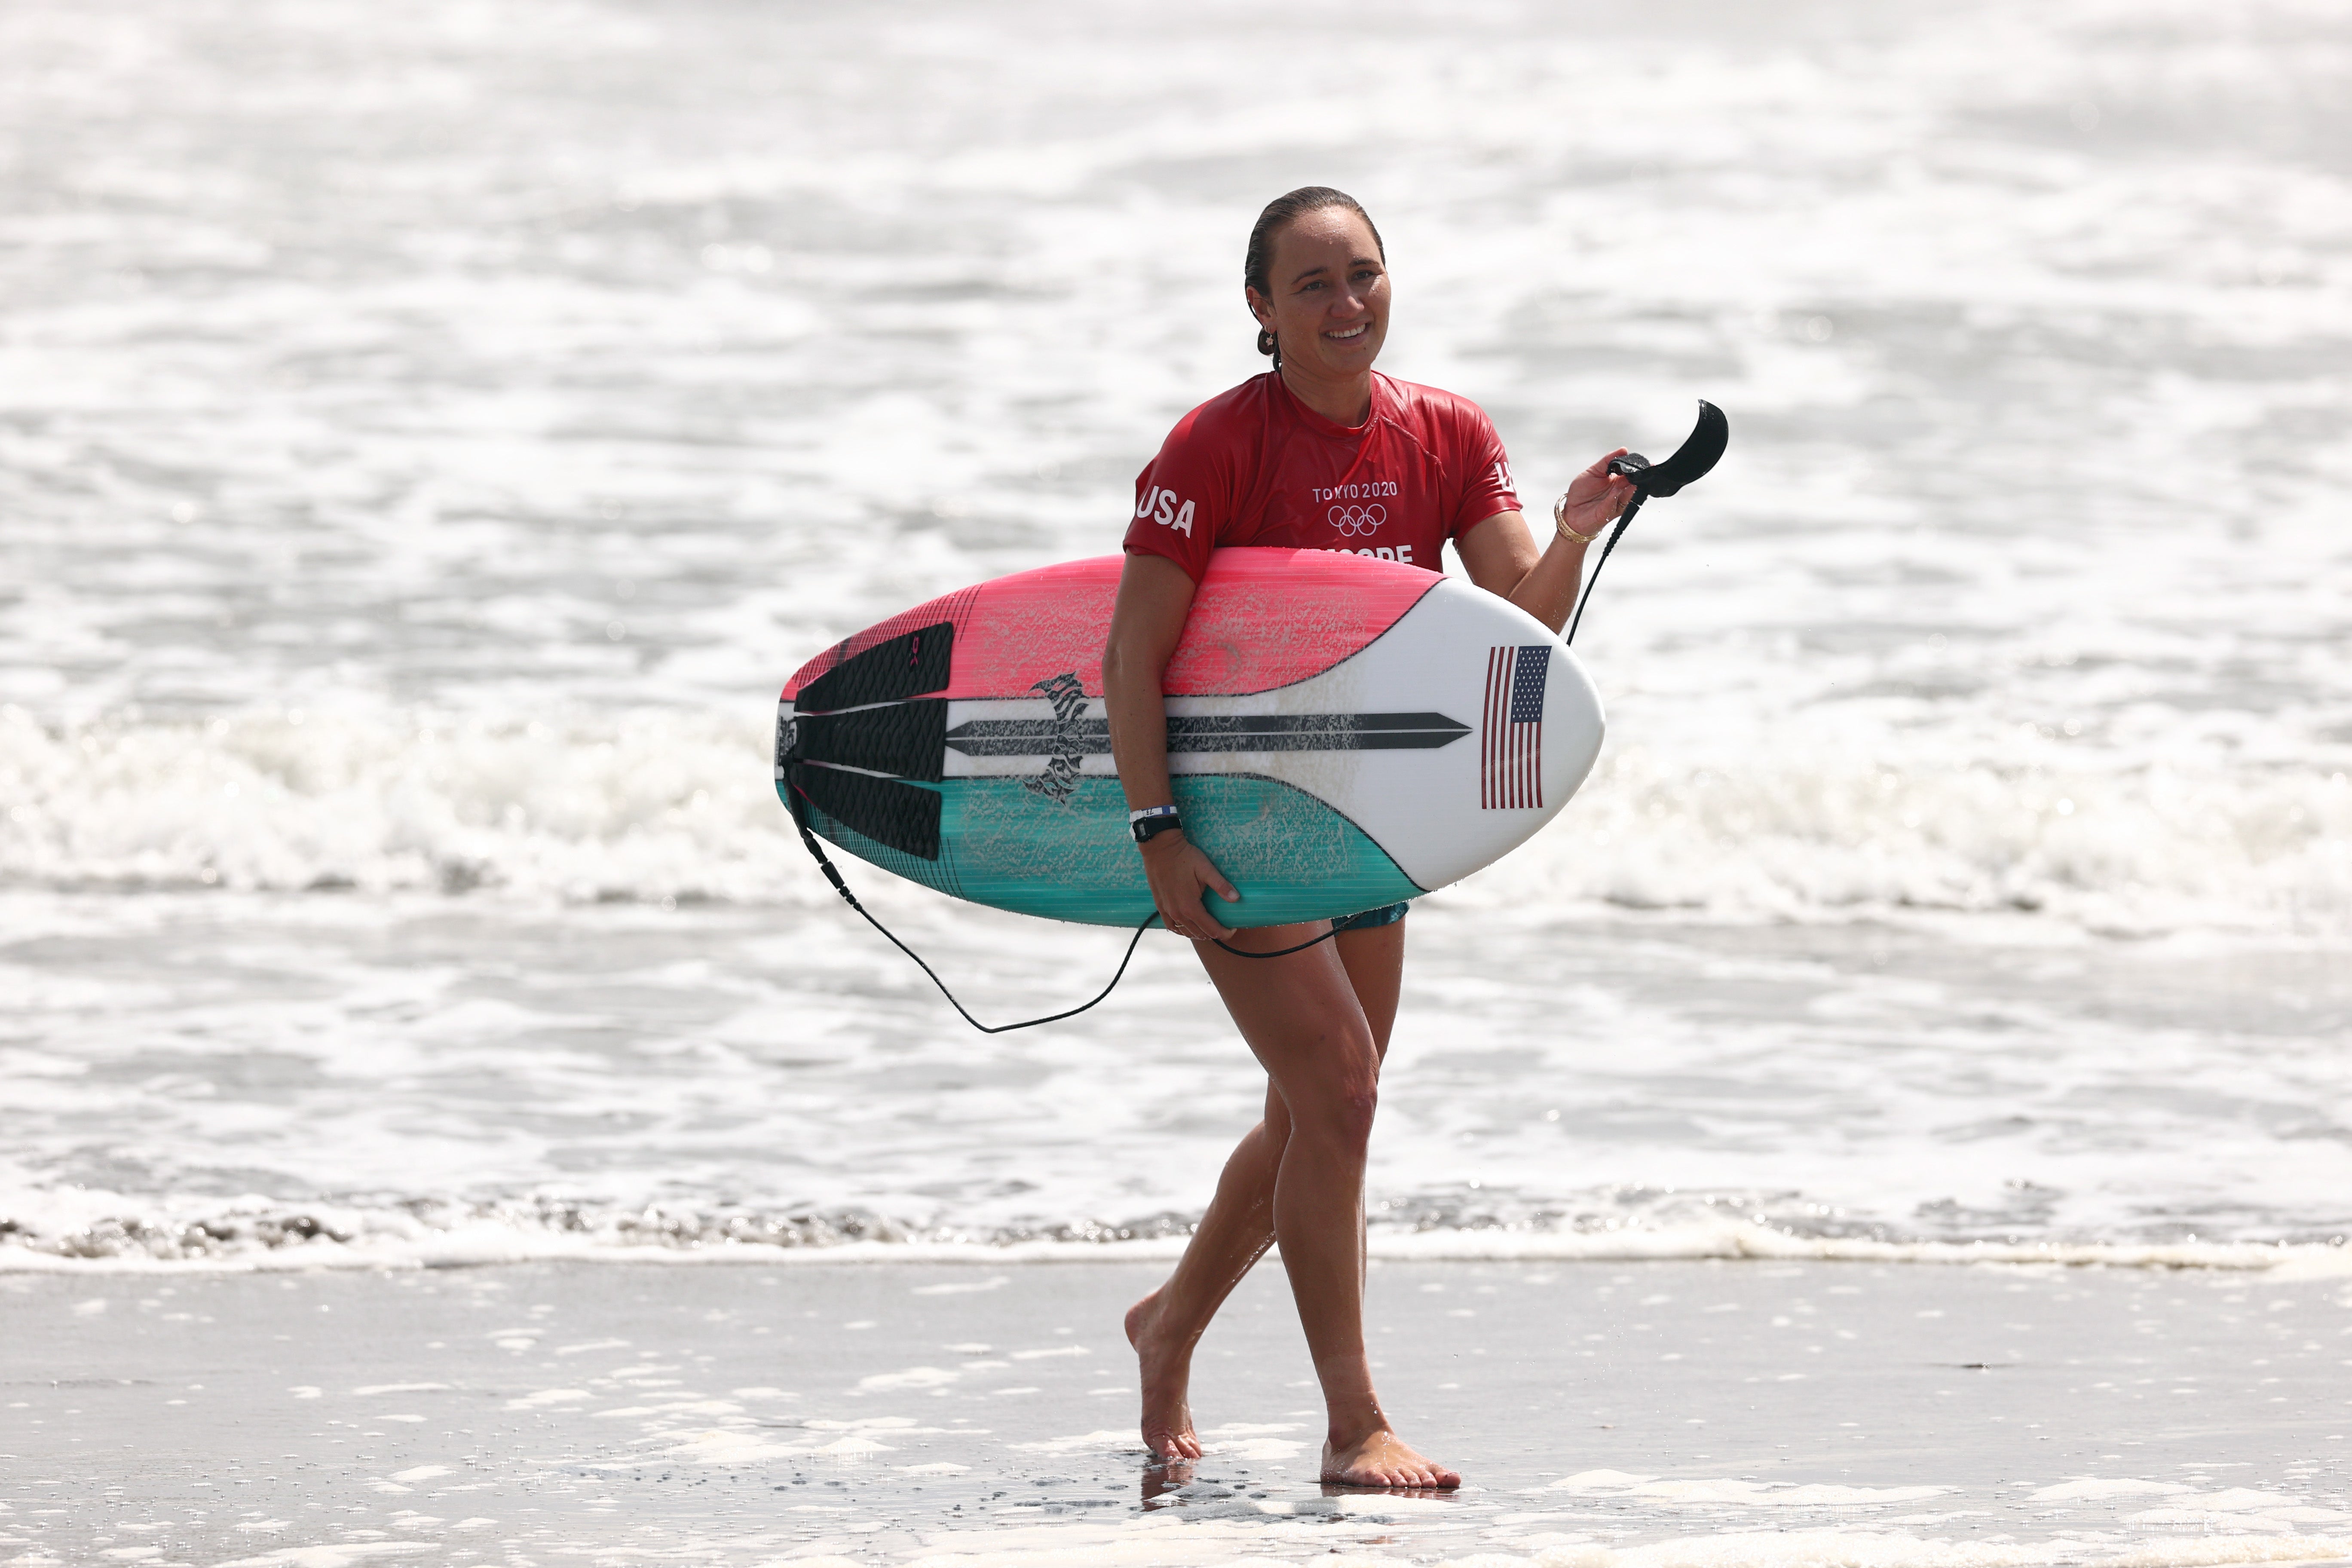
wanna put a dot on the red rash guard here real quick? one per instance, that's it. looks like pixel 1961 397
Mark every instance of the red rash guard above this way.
pixel 1255 466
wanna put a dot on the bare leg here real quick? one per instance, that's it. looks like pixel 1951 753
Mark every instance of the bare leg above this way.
pixel 1374 961
pixel 1233 1234
pixel 1302 1018
pixel 1238 1226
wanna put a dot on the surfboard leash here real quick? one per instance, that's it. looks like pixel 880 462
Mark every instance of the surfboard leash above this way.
pixel 1700 451
pixel 1624 520
pixel 1280 951
pixel 834 876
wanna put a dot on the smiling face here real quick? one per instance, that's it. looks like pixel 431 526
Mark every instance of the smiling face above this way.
pixel 1328 295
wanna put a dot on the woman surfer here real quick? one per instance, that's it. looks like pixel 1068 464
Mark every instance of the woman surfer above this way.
pixel 1319 453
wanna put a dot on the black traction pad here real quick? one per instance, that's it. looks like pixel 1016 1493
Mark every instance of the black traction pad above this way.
pixel 907 665
pixel 903 817
pixel 908 739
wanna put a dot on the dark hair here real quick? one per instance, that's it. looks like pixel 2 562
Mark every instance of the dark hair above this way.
pixel 1272 222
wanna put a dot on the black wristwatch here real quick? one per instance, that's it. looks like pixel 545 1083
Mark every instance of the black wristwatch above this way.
pixel 1152 819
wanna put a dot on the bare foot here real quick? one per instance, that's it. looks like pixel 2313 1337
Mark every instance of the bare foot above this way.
pixel 1167 1379
pixel 1384 1459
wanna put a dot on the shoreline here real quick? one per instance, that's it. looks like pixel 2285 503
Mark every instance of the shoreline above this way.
pixel 490 1247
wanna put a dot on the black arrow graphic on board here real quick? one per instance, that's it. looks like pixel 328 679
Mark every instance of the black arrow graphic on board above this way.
pixel 1221 732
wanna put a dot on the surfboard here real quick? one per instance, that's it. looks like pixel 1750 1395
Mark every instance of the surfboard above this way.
pixel 1343 732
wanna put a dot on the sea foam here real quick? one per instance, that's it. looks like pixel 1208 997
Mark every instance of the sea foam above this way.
pixel 662 803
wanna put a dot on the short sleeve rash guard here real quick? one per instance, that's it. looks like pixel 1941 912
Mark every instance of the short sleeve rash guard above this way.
pixel 1255 466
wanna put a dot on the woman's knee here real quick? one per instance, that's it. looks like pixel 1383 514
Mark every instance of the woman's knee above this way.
pixel 1339 1104
pixel 1349 1117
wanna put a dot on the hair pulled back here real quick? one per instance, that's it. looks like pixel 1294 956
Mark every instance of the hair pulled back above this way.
pixel 1270 223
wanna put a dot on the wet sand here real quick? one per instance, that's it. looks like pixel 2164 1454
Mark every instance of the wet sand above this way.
pixel 1664 1412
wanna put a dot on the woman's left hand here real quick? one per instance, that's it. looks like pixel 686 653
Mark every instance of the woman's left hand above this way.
pixel 1596 496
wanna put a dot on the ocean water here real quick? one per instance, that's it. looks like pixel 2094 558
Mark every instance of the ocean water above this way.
pixel 429 434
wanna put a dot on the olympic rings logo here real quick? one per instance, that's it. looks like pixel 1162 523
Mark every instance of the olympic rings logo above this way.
pixel 1357 522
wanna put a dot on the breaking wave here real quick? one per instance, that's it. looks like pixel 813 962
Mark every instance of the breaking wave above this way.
pixel 667 804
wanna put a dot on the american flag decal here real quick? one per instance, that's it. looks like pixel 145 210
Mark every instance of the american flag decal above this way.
pixel 1510 740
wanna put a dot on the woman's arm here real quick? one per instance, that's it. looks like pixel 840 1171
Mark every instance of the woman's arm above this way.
pixel 1154 597
pixel 1501 556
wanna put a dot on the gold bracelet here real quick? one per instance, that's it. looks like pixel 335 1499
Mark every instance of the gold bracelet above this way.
pixel 1559 523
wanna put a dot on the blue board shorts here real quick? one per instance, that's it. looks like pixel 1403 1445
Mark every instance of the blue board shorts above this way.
pixel 1372 919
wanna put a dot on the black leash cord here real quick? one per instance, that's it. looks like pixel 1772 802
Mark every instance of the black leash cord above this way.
pixel 834 876
pixel 1624 520
pixel 1281 953
pixel 851 899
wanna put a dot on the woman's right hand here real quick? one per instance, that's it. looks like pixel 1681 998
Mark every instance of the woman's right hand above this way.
pixel 1179 875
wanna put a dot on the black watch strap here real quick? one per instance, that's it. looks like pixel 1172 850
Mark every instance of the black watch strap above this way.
pixel 1144 825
